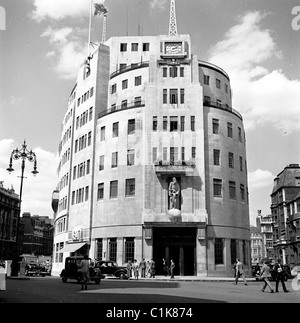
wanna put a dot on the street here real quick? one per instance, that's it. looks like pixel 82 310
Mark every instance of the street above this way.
pixel 115 291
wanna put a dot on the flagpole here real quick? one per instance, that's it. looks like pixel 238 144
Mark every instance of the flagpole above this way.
pixel 90 26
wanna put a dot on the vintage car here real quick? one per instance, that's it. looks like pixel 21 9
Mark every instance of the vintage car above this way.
pixel 33 268
pixel 71 270
pixel 111 269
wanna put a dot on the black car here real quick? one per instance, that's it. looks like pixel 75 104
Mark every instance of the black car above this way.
pixel 111 269
pixel 34 269
pixel 71 270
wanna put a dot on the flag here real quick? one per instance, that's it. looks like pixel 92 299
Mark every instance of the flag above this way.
pixel 99 9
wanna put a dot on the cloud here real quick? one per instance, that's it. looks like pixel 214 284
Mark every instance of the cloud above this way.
pixel 37 190
pixel 262 96
pixel 69 50
pixel 158 4
pixel 260 179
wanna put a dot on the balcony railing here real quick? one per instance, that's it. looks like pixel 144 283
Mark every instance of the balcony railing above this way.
pixel 129 68
pixel 137 104
pixel 215 104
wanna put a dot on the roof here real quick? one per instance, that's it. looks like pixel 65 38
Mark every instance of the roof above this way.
pixel 287 178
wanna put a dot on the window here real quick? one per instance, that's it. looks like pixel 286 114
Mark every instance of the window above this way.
pixel 242 192
pixel 218 83
pixel 215 125
pixel 219 103
pixel 241 163
pixel 137 80
pixel 193 152
pixel 181 71
pixel 101 163
pixel 219 251
pixel 100 191
pixel 113 107
pixel 233 250
pixel 154 154
pixel 182 123
pixel 181 96
pixel 138 101
pixel 102 133
pixel 165 123
pixel 124 84
pixel 232 190
pixel 114 159
pixel 192 123
pixel 173 96
pixel 206 79
pixel 206 100
pixel 165 96
pixel 165 72
pixel 88 166
pixel 130 157
pixel 229 129
pixel 165 153
pixel 173 123
pixel 173 71
pixel 129 249
pixel 115 129
pixel 216 157
pixel 131 126
pixel 74 172
pixel 113 249
pixel 173 154
pixel 123 47
pixel 226 88
pixel 130 187
pixel 146 47
pixel 113 88
pixel 134 47
pixel 99 249
pixel 113 189
pixel 123 66
pixel 154 123
pixel 86 193
pixel 124 104
pixel 89 138
pixel 182 153
pixel 230 160
pixel 217 187
pixel 240 134
pixel 91 113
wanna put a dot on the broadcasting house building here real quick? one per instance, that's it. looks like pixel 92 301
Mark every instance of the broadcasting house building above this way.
pixel 145 110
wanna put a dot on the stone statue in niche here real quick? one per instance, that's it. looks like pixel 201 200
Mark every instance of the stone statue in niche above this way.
pixel 174 191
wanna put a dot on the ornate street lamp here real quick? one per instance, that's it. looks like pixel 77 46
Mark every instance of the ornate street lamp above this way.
pixel 22 154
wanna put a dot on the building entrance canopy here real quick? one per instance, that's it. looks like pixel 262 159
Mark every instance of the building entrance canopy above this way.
pixel 72 247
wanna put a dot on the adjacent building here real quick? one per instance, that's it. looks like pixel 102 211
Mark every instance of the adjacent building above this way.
pixel 146 110
pixel 285 209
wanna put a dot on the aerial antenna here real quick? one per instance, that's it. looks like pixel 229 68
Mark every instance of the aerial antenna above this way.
pixel 173 24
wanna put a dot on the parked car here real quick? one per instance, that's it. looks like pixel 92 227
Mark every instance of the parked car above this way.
pixel 256 271
pixel 111 269
pixel 34 269
pixel 71 270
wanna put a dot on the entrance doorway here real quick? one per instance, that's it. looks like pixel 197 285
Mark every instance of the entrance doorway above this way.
pixel 177 243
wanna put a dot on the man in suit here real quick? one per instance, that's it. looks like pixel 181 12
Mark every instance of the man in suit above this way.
pixel 266 275
pixel 239 272
pixel 279 270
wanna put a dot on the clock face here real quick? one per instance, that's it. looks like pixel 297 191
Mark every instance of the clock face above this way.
pixel 173 48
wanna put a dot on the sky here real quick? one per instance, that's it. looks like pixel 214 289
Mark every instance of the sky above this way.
pixel 43 43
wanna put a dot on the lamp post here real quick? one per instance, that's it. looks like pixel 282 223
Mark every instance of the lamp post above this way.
pixel 22 154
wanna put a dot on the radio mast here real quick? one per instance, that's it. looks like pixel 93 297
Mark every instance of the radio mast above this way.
pixel 173 24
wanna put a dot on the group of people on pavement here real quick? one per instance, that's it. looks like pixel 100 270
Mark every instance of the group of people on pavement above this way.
pixel 143 268
pixel 265 274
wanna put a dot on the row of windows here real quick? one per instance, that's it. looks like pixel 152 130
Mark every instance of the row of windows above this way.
pixel 113 189
pixel 83 142
pixel 62 205
pixel 115 129
pixel 219 248
pixel 172 123
pixel 173 71
pixel 81 169
pixel 173 96
pixel 173 155
pixel 67 135
pixel 137 82
pixel 134 47
pixel 63 182
pixel 84 118
pixel 85 96
pixel 206 81
pixel 218 190
pixel 66 156
pixel 81 195
pixel 217 159
pixel 216 129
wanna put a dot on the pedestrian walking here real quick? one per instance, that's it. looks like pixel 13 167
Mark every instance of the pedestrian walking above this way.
pixel 143 268
pixel 265 274
pixel 278 268
pixel 172 266
pixel 165 267
pixel 152 268
pixel 239 272
pixel 148 274
pixel 84 267
pixel 23 265
pixel 135 269
pixel 129 269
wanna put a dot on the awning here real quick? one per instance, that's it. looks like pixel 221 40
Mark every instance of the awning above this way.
pixel 72 247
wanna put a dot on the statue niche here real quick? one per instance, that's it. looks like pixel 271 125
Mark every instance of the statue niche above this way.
pixel 174 194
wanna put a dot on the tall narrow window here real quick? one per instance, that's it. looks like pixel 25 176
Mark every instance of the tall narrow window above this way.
pixel 181 96
pixel 165 72
pixel 124 84
pixel 137 101
pixel 232 190
pixel 173 154
pixel 86 193
pixel 130 157
pixel 129 249
pixel 165 153
pixel 89 138
pixel 173 96
pixel 130 187
pixel 192 123
pixel 154 154
pixel 219 247
pixel 165 123
pixel 193 152
pixel 154 123
pixel 113 249
pixel 173 123
pixel 101 163
pixel 124 104
pixel 242 192
pixel 173 71
pixel 131 126
pixel 215 126
pixel 182 154
pixel 100 191
pixel 165 96
pixel 88 166
pixel 181 71
pixel 206 79
pixel 241 163
pixel 233 250
pixel 115 129
pixel 137 80
pixel 114 160
pixel 240 134
pixel 216 157
pixel 230 160
pixel 113 189
pixel 218 83
pixel 102 133
pixel 182 123
pixel 229 130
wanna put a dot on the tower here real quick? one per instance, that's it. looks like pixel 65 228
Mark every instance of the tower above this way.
pixel 173 24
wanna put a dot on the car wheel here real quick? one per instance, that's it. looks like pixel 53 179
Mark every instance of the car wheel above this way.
pixel 64 279
pixel 122 276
